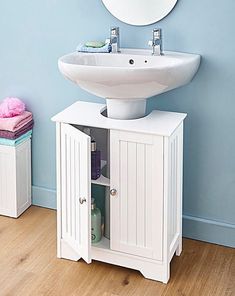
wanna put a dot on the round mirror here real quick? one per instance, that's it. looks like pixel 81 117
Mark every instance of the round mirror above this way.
pixel 139 12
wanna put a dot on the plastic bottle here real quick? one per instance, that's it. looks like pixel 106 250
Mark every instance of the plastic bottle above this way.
pixel 95 156
pixel 95 223
pixel 95 161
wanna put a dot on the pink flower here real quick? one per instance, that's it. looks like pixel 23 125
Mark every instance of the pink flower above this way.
pixel 11 107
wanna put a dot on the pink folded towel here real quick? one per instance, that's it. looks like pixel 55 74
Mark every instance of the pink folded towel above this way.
pixel 15 123
pixel 14 135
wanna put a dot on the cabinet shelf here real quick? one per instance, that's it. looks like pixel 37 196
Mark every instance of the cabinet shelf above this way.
pixel 102 180
pixel 103 244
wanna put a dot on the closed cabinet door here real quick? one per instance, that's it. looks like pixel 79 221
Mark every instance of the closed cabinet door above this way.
pixel 136 196
pixel 75 194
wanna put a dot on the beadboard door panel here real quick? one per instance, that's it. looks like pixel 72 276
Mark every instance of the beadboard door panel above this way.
pixel 15 179
pixel 75 190
pixel 8 194
pixel 136 164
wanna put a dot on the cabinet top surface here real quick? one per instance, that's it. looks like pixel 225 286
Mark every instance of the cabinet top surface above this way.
pixel 89 114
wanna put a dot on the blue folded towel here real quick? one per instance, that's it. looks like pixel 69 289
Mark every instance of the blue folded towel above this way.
pixel 23 138
pixel 106 48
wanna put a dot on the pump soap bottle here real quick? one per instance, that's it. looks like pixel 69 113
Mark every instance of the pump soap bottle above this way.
pixel 95 223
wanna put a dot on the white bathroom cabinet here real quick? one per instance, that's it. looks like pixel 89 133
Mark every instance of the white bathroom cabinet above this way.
pixel 15 179
pixel 144 158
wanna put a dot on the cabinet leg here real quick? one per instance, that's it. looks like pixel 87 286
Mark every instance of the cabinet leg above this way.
pixel 156 272
pixel 179 248
pixel 166 274
pixel 66 252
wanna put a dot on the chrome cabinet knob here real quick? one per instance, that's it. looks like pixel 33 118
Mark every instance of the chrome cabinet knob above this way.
pixel 82 200
pixel 113 192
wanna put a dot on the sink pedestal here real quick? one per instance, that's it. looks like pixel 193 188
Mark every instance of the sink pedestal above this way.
pixel 126 109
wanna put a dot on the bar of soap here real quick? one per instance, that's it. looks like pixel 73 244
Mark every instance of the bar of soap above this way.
pixel 95 44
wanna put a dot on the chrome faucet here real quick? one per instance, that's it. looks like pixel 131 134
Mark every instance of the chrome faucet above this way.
pixel 115 39
pixel 156 42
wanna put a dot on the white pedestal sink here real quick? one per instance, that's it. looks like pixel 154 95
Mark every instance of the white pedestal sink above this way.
pixel 128 78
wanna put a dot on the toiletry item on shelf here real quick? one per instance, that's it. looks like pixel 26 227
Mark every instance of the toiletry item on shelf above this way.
pixel 95 156
pixel 102 226
pixel 104 49
pixel 95 223
pixel 95 44
pixel 95 161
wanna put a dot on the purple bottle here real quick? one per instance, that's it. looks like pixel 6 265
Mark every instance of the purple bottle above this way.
pixel 95 161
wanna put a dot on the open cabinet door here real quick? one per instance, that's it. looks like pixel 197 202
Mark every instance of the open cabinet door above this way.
pixel 75 193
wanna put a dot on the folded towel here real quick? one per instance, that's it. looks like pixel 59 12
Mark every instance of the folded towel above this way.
pixel 106 48
pixel 14 135
pixel 13 124
pixel 23 138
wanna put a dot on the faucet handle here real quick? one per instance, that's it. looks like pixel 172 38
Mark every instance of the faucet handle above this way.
pixel 114 31
pixel 157 33
pixel 115 39
pixel 156 42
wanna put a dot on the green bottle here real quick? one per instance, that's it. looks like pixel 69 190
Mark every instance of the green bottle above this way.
pixel 95 223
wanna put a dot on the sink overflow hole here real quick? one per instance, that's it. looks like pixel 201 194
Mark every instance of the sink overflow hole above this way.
pixel 131 62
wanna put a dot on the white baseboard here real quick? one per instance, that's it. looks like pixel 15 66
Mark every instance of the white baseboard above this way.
pixel 209 230
pixel 43 197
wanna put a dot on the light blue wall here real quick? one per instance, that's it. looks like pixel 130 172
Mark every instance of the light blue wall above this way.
pixel 35 33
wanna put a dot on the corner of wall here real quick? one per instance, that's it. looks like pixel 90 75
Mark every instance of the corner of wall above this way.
pixel 44 197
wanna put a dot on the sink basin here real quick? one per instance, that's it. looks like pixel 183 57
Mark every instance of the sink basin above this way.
pixel 128 78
